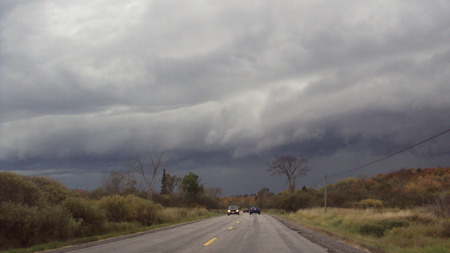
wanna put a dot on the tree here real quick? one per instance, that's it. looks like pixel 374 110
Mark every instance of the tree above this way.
pixel 191 187
pixel 214 192
pixel 264 197
pixel 168 183
pixel 164 190
pixel 114 183
pixel 289 166
pixel 118 183
pixel 139 165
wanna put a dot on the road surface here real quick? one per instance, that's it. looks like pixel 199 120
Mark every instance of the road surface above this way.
pixel 236 233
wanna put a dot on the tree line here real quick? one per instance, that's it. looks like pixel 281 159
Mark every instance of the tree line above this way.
pixel 406 188
pixel 37 209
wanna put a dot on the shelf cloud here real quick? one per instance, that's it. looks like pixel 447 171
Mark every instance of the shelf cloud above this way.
pixel 222 87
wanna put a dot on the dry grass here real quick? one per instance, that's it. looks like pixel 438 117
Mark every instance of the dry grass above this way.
pixel 175 214
pixel 386 230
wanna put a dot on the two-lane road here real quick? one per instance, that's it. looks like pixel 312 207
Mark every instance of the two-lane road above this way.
pixel 238 233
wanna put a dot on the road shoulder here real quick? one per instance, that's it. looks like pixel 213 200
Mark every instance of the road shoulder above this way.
pixel 332 245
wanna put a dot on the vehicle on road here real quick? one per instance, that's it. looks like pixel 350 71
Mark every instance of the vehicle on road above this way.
pixel 245 210
pixel 233 209
pixel 255 209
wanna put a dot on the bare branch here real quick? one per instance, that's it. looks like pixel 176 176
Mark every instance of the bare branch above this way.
pixel 139 165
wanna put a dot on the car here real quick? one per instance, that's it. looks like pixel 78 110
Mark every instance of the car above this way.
pixel 233 209
pixel 245 210
pixel 255 209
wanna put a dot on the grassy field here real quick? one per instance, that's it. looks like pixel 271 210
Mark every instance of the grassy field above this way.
pixel 386 230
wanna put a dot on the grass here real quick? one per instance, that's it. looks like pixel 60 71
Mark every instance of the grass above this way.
pixel 167 217
pixel 385 230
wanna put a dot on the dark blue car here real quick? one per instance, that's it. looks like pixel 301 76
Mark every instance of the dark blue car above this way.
pixel 255 209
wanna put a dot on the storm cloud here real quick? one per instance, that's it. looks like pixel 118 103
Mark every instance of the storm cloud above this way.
pixel 222 87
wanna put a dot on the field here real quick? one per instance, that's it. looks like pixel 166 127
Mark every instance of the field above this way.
pixel 381 230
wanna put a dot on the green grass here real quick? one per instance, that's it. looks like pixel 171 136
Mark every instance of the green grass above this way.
pixel 385 230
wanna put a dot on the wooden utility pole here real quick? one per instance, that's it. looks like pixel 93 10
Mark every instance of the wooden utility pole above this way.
pixel 325 197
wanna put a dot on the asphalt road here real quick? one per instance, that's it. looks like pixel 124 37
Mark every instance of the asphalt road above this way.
pixel 236 233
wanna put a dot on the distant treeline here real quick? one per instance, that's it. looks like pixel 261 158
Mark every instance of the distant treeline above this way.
pixel 35 210
pixel 406 188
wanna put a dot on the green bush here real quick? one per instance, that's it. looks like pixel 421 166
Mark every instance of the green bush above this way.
pixel 116 208
pixel 142 210
pixel 16 189
pixel 23 225
pixel 90 218
pixel 31 190
pixel 291 202
pixel 53 191
pixel 129 208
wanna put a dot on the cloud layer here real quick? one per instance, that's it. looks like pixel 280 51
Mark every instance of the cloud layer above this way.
pixel 222 87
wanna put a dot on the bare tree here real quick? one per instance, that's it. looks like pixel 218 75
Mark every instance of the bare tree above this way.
pixel 290 166
pixel 149 176
pixel 119 183
pixel 214 192
pixel 114 183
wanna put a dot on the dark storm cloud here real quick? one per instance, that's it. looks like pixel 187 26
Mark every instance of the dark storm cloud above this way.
pixel 222 88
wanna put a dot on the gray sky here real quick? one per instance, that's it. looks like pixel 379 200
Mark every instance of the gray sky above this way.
pixel 222 87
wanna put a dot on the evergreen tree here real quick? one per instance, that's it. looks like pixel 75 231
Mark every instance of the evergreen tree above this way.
pixel 164 186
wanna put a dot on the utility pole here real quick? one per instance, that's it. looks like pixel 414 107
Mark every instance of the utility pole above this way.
pixel 325 197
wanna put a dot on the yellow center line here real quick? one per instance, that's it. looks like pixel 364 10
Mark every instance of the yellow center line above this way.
pixel 210 241
pixel 230 228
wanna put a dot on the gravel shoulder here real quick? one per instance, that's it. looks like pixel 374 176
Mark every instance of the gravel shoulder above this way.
pixel 331 244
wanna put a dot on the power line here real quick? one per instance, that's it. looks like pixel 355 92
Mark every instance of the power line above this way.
pixel 318 182
pixel 391 155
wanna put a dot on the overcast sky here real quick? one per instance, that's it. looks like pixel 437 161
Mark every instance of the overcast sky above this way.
pixel 222 87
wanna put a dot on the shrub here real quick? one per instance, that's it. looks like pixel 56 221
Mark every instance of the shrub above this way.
pixel 90 218
pixel 293 201
pixel 129 208
pixel 53 191
pixel 142 210
pixel 209 202
pixel 116 208
pixel 441 206
pixel 16 189
pixel 23 225
pixel 370 203
pixel 173 214
pixel 378 228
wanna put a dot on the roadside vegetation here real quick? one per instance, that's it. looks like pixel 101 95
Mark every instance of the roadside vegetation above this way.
pixel 381 230
pixel 39 213
pixel 406 211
